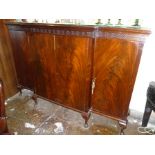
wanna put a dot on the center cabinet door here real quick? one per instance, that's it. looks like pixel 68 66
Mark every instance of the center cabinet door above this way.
pixel 115 65
pixel 63 69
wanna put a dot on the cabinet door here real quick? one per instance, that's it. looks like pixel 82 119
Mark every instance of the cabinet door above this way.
pixel 62 68
pixel 73 71
pixel 24 59
pixel 115 66
pixel 42 45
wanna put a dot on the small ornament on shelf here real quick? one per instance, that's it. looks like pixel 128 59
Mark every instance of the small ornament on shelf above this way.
pixel 57 21
pixel 18 20
pixel 119 22
pixel 35 21
pixel 24 20
pixel 98 22
pixel 136 23
pixel 109 23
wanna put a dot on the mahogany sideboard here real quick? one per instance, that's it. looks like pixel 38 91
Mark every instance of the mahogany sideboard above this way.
pixel 85 68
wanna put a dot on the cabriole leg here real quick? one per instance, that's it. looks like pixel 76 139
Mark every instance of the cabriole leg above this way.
pixel 34 98
pixel 123 125
pixel 20 89
pixel 86 116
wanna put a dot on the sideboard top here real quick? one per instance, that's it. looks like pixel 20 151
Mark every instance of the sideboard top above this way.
pixel 138 30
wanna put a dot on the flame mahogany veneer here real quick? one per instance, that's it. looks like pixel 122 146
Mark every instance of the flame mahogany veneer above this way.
pixel 80 67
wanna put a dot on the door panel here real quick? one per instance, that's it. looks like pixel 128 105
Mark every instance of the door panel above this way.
pixel 63 68
pixel 23 58
pixel 115 64
pixel 73 70
pixel 42 45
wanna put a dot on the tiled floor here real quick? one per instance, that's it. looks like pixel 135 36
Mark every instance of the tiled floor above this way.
pixel 50 119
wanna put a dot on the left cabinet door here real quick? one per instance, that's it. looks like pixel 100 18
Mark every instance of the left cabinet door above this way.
pixel 42 45
pixel 24 58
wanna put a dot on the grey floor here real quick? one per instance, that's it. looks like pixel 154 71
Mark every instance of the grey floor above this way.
pixel 47 118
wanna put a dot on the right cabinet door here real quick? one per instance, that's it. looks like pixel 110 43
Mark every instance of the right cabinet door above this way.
pixel 115 66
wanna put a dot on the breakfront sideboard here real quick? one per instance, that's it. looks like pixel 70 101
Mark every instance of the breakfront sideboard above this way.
pixel 85 68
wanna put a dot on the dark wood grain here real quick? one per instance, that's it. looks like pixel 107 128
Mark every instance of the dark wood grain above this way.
pixel 73 70
pixel 23 58
pixel 116 63
pixel 3 121
pixel 2 100
pixel 60 61
pixel 7 69
pixel 42 51
pixel 56 67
